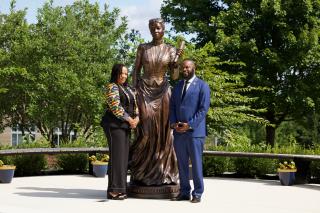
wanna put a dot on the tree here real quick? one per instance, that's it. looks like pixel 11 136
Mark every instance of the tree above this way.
pixel 15 80
pixel 53 72
pixel 128 47
pixel 77 46
pixel 279 43
pixel 189 17
pixel 230 106
pixel 274 39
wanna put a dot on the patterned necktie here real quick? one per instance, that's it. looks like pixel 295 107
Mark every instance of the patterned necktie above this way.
pixel 184 89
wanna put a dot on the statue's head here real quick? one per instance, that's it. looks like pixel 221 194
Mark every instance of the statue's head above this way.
pixel 154 21
pixel 156 27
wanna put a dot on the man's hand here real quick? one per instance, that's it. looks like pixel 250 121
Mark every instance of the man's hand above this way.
pixel 181 127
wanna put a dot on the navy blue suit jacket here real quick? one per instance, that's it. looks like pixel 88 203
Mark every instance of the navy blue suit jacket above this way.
pixel 193 108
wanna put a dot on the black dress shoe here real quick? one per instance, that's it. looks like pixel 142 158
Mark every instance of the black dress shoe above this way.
pixel 181 197
pixel 117 197
pixel 196 199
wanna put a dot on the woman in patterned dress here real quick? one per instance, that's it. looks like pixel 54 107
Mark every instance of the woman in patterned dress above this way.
pixel 121 116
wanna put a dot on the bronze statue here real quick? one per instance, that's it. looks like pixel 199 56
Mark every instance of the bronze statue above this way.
pixel 153 160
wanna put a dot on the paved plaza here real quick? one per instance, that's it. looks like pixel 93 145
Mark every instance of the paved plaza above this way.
pixel 84 193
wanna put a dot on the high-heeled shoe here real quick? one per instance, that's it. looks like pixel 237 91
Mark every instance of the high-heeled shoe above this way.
pixel 116 197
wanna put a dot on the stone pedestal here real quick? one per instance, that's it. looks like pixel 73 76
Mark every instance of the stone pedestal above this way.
pixel 153 192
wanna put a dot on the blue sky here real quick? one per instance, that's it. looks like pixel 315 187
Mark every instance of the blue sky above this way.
pixel 137 11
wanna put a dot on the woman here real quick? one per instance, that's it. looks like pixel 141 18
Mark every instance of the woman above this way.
pixel 121 116
pixel 153 160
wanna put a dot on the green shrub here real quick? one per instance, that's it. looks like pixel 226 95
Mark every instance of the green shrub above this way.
pixel 39 143
pixel 266 166
pixel 8 160
pixel 98 139
pixel 254 167
pixel 215 165
pixel 315 165
pixel 315 169
pixel 244 167
pixel 73 163
pixel 27 165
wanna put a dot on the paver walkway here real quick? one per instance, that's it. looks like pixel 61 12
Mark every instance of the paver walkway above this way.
pixel 84 193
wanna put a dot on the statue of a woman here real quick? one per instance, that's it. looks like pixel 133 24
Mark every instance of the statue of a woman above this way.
pixel 153 160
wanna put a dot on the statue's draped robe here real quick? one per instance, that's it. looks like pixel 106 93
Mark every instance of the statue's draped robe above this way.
pixel 153 160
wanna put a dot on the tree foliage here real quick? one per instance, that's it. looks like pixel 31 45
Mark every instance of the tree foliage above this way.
pixel 189 17
pixel 53 72
pixel 230 104
pixel 15 80
pixel 278 41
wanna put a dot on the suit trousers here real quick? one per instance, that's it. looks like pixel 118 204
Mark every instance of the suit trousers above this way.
pixel 188 147
pixel 118 141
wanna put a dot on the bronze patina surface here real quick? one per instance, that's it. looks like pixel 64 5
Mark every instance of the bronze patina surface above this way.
pixel 153 160
pixel 153 192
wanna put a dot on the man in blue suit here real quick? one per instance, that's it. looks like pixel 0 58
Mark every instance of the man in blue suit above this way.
pixel 189 104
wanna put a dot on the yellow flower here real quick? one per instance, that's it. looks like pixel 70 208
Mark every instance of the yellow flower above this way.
pixel 103 160
pixel 287 166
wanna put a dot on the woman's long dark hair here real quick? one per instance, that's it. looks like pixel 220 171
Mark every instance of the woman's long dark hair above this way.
pixel 116 72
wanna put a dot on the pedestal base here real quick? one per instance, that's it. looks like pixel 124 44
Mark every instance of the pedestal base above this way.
pixel 154 192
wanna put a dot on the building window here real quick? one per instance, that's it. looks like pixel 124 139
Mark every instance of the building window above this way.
pixel 17 137
pixel 57 135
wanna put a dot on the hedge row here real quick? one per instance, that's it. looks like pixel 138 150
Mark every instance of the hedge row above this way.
pixel 255 167
pixel 212 166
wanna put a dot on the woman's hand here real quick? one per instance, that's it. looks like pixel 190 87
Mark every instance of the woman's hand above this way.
pixel 136 121
pixel 179 52
pixel 133 122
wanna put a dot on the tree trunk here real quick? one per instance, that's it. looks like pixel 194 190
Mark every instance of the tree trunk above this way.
pixel 270 135
pixel 270 130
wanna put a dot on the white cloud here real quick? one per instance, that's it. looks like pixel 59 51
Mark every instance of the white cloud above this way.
pixel 139 15
pixel 138 11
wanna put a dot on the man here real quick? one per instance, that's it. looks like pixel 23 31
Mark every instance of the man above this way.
pixel 189 105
